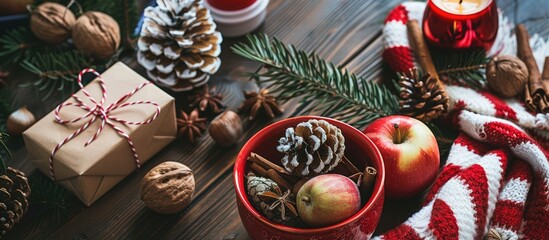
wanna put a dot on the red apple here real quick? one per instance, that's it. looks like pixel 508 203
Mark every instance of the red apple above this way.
pixel 410 154
pixel 327 199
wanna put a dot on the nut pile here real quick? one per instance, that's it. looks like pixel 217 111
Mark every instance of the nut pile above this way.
pixel 94 33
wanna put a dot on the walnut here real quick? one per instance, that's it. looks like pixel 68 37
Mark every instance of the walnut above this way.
pixel 168 187
pixel 96 34
pixel 506 75
pixel 52 22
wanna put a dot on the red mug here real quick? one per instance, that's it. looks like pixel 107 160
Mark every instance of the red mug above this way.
pixel 358 146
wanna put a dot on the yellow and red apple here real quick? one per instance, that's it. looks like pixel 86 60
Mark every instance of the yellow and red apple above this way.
pixel 410 154
pixel 327 199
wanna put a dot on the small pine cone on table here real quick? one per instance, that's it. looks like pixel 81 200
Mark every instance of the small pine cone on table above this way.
pixel 312 148
pixel 14 194
pixel 179 45
pixel 422 97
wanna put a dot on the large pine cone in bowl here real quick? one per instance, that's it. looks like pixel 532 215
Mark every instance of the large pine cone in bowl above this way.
pixel 312 148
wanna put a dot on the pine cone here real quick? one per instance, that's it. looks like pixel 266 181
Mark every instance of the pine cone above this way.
pixel 422 97
pixel 256 186
pixel 312 148
pixel 179 45
pixel 14 194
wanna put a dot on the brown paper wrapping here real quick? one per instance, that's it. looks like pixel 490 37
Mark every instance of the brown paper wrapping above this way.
pixel 89 172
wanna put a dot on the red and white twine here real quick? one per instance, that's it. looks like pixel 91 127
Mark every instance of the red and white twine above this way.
pixel 97 110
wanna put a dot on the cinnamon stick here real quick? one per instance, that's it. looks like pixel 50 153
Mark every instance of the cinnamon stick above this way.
pixel 268 169
pixel 368 179
pixel 545 72
pixel 350 166
pixel 357 178
pixel 272 174
pixel 529 102
pixel 536 94
pixel 545 82
pixel 259 170
pixel 419 46
pixel 256 158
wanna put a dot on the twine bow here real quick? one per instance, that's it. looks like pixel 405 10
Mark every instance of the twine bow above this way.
pixel 98 110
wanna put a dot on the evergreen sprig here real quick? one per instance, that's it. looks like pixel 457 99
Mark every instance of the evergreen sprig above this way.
pixel 293 73
pixel 17 44
pixel 56 71
pixel 4 152
pixel 465 67
pixel 445 138
pixel 52 201
pixel 6 107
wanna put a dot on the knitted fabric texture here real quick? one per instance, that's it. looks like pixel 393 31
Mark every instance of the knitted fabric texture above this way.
pixel 497 173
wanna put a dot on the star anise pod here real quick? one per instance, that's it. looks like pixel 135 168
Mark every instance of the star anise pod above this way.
pixel 208 99
pixel 279 200
pixel 260 102
pixel 191 126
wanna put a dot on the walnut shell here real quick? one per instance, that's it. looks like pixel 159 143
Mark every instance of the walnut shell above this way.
pixel 226 128
pixel 96 34
pixel 52 22
pixel 506 75
pixel 168 188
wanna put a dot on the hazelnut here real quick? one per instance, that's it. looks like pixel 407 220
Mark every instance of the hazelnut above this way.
pixel 506 75
pixel 19 121
pixel 52 22
pixel 96 34
pixel 168 187
pixel 226 128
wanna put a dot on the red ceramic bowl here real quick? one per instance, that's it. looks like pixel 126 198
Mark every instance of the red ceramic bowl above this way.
pixel 358 147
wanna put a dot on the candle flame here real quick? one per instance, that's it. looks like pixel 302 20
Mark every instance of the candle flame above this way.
pixel 461 6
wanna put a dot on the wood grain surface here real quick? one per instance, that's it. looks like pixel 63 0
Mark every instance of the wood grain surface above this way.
pixel 346 32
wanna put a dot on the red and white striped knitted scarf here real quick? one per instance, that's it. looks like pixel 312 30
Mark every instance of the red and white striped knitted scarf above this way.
pixel 497 173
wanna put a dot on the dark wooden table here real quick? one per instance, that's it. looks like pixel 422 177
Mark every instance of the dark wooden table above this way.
pixel 346 32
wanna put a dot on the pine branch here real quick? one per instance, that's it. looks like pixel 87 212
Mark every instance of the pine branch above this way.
pixel 56 71
pixel 461 67
pixel 445 138
pixel 293 73
pixel 6 107
pixel 4 152
pixel 52 200
pixel 18 44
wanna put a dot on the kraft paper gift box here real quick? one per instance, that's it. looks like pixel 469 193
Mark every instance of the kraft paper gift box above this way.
pixel 90 171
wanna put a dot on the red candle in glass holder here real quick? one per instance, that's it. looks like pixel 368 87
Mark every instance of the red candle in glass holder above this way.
pixel 461 24
pixel 231 5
